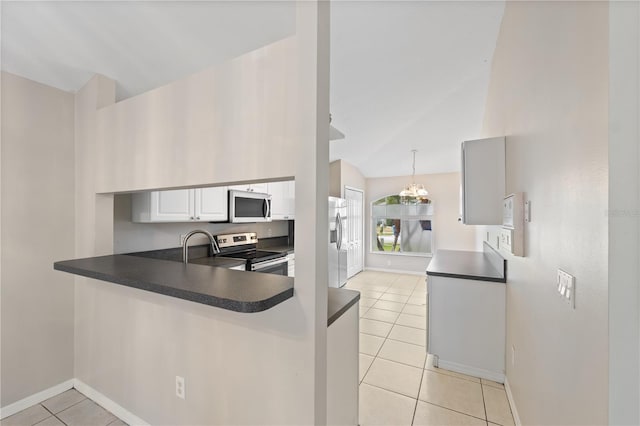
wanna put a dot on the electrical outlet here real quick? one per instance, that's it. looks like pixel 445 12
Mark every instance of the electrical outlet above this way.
pixel 270 232
pixel 180 387
pixel 513 356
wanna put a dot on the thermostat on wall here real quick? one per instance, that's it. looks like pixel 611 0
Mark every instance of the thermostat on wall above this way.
pixel 512 234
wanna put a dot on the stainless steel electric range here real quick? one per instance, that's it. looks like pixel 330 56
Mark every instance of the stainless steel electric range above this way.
pixel 245 246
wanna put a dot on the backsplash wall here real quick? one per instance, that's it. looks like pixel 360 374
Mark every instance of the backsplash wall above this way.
pixel 129 237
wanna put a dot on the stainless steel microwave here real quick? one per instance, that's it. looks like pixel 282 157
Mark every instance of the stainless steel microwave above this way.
pixel 249 207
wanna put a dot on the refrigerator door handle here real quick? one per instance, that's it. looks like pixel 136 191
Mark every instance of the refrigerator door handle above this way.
pixel 339 229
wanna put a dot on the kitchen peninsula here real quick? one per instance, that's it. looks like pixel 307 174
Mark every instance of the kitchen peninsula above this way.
pixel 207 280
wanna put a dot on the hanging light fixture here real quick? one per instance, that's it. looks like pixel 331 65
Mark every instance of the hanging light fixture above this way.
pixel 415 189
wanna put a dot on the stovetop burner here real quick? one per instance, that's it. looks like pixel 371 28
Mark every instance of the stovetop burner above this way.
pixel 244 246
pixel 254 255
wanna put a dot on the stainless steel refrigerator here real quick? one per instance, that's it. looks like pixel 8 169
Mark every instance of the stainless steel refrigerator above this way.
pixel 337 242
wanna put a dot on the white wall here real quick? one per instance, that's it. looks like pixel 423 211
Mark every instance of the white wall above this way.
pixel 448 232
pixel 229 123
pixel 264 368
pixel 37 229
pixel 549 95
pixel 343 173
pixel 129 236
pixel 624 213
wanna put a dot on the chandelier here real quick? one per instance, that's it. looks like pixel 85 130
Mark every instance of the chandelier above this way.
pixel 415 189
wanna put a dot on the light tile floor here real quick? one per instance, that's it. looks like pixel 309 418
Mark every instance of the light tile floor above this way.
pixel 398 383
pixel 68 408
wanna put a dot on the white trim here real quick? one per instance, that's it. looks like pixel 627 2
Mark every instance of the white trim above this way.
pixel 512 403
pixel 401 253
pixel 396 271
pixel 108 404
pixel 471 371
pixel 34 399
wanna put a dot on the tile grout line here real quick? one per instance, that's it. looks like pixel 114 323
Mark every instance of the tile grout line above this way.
pixel 426 402
pixel 415 408
pixel 484 403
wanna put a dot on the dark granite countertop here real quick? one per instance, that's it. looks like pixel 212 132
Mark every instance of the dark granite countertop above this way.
pixel 221 262
pixel 283 249
pixel 239 291
pixel 472 265
pixel 339 301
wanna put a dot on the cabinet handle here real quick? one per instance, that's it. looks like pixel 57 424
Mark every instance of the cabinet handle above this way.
pixel 198 218
pixel 191 217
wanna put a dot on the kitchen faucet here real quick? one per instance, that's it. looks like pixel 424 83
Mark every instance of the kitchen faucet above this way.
pixel 185 249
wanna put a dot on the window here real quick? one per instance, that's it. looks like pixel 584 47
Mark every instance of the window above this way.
pixel 402 225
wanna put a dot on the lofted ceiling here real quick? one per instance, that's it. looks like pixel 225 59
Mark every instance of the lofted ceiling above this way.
pixel 409 75
pixel 140 44
pixel 404 75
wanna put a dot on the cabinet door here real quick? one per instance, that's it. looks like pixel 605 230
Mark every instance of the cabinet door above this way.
pixel 291 200
pixel 246 187
pixel 211 204
pixel 483 181
pixel 260 187
pixel 282 201
pixel 253 187
pixel 172 206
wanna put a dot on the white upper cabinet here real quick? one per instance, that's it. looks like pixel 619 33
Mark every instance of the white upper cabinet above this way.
pixel 282 200
pixel 252 187
pixel 211 204
pixel 182 205
pixel 483 181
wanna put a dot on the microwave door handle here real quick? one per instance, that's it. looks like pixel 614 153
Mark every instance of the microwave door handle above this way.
pixel 265 208
pixel 268 208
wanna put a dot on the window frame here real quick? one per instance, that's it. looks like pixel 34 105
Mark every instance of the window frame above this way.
pixel 371 224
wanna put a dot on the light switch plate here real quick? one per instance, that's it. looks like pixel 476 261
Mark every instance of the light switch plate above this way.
pixel 567 287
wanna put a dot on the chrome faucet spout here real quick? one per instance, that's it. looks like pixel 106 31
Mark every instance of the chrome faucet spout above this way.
pixel 185 248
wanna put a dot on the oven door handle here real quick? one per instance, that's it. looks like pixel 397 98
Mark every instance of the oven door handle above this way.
pixel 267 264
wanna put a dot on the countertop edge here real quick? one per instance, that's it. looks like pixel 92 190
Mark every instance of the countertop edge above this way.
pixel 218 302
pixel 449 260
pixel 467 277
pixel 352 297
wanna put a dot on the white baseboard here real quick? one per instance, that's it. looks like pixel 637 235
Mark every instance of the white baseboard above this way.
pixel 108 404
pixel 397 271
pixel 34 399
pixel 512 403
pixel 471 371
pixel 87 390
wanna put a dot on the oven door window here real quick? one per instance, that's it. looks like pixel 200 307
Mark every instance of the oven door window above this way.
pixel 278 268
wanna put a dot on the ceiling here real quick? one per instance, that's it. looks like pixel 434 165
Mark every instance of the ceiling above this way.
pixel 140 44
pixel 409 75
pixel 404 75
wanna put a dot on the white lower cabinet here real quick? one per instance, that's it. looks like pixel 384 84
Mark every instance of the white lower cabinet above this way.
pixel 342 369
pixel 466 326
pixel 181 205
